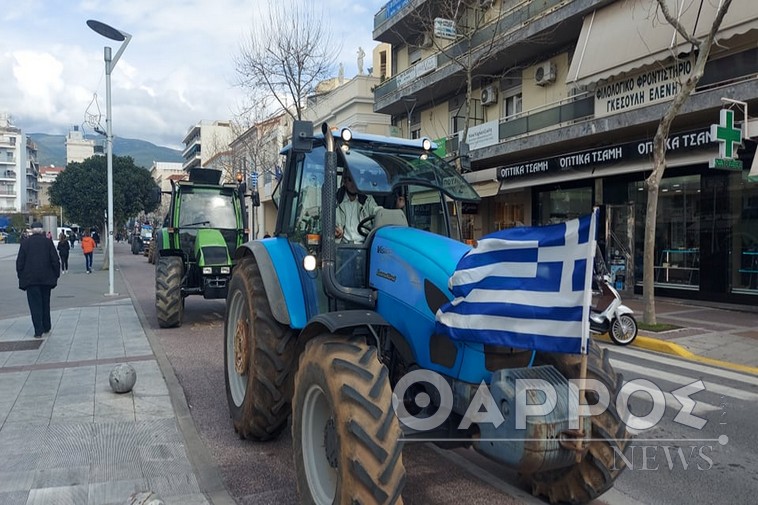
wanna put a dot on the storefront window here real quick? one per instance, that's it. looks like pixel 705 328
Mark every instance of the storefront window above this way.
pixel 563 205
pixel 743 259
pixel 677 240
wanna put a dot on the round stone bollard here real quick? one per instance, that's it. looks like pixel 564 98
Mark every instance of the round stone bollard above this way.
pixel 122 378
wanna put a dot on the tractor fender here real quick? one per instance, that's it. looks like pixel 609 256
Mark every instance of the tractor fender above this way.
pixel 280 279
pixel 336 322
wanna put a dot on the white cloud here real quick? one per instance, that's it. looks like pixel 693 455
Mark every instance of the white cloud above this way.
pixel 177 70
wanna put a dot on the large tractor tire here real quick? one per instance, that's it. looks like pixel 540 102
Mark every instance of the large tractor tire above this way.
pixel 598 469
pixel 135 246
pixel 346 437
pixel 169 303
pixel 259 358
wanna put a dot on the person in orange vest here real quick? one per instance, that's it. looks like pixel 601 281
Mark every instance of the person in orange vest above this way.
pixel 88 245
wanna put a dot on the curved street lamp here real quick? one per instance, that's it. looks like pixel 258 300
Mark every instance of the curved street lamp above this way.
pixel 119 36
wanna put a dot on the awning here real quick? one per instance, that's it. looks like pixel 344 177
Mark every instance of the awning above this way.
pixel 487 189
pixel 626 36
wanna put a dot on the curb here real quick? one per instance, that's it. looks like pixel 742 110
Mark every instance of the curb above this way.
pixel 666 347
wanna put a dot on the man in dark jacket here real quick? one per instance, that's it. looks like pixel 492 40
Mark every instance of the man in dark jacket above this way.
pixel 38 269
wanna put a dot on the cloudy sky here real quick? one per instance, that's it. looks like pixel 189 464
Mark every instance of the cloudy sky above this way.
pixel 177 70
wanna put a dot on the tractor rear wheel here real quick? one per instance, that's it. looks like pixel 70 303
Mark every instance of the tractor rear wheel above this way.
pixel 346 437
pixel 169 303
pixel 135 246
pixel 259 357
pixel 598 469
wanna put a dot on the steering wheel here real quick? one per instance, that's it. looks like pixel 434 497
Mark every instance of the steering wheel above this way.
pixel 363 228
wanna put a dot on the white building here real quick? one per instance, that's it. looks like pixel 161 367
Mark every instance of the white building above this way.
pixel 18 169
pixel 79 148
pixel 163 172
pixel 204 141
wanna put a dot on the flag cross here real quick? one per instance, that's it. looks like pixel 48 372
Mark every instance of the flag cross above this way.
pixel 559 255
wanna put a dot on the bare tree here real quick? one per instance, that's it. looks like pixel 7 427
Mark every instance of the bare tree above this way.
pixel 477 28
pixel 287 55
pixel 702 48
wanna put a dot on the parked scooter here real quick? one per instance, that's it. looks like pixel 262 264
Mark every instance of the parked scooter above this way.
pixel 610 315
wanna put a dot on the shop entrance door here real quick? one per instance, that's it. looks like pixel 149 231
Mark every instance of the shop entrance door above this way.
pixel 619 240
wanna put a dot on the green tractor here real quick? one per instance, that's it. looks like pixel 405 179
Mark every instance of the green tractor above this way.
pixel 194 247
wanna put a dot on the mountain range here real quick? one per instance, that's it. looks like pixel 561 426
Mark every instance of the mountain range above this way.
pixel 51 150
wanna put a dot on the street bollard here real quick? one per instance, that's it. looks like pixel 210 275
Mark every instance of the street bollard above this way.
pixel 122 378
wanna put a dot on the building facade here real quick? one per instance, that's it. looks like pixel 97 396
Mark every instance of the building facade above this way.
pixel 204 141
pixel 47 176
pixel 565 100
pixel 79 148
pixel 163 172
pixel 19 169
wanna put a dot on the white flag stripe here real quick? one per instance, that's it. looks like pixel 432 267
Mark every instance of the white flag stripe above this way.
pixel 684 380
pixel 519 270
pixel 503 323
pixel 495 244
pixel 689 365
pixel 533 298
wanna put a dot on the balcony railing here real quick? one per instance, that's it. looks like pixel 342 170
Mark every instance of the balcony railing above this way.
pixel 569 110
pixel 514 18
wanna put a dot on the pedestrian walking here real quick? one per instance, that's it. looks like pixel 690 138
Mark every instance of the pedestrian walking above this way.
pixel 88 246
pixel 63 250
pixel 38 269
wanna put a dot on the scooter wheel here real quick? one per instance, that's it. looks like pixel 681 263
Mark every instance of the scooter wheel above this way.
pixel 623 329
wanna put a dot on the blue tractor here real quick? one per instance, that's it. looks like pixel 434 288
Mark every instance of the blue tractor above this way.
pixel 325 333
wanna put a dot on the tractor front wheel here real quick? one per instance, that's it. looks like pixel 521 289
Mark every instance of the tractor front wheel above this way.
pixel 169 303
pixel 598 469
pixel 346 437
pixel 259 356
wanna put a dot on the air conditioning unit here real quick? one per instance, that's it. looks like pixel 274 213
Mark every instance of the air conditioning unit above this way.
pixel 545 74
pixel 489 95
pixel 426 40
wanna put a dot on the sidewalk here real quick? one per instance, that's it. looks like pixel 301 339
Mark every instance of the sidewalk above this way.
pixel 65 436
pixel 719 334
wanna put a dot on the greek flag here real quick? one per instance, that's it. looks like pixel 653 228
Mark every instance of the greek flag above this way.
pixel 527 287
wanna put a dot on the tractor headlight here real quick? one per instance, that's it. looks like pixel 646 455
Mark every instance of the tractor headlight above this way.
pixel 346 134
pixel 309 263
pixel 207 270
pixel 426 144
pixel 225 270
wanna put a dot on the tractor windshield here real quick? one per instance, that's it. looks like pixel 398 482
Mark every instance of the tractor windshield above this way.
pixel 379 168
pixel 207 209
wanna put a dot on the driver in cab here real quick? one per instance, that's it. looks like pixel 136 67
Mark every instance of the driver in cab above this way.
pixel 352 208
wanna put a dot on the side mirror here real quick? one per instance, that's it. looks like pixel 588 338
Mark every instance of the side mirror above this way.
pixel 302 135
pixel 155 196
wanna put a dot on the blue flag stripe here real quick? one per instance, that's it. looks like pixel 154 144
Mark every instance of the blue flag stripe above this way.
pixel 545 236
pixel 498 256
pixel 548 279
pixel 507 338
pixel 518 310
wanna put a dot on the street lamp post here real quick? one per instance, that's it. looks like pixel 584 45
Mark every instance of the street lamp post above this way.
pixel 406 101
pixel 110 33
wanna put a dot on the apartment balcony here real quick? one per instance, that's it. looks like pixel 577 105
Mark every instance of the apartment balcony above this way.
pixel 8 175
pixel 396 20
pixel 193 162
pixel 525 33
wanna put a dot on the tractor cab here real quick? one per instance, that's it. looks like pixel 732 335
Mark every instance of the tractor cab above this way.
pixel 412 187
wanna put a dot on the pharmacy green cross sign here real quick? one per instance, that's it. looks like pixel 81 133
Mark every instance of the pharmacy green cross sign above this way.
pixel 727 136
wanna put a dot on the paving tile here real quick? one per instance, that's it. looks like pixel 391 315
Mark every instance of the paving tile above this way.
pixel 155 431
pixel 193 499
pixel 173 484
pixel 16 480
pixel 153 407
pixel 105 471
pixel 61 476
pixel 114 492
pixel 13 498
pixel 70 495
